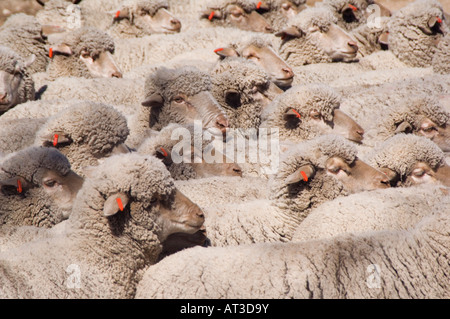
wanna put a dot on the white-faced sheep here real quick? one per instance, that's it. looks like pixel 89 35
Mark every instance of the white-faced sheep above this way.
pixel 409 263
pixel 166 143
pixel 313 37
pixel 180 96
pixel 108 241
pixel 239 14
pixel 408 159
pixel 86 132
pixel 84 52
pixel 16 84
pixel 415 31
pixel 243 90
pixel 313 172
pixel 38 187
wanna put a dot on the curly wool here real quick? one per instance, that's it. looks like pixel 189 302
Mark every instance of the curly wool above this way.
pixel 247 5
pixel 303 99
pixel 407 39
pixel 23 34
pixel 93 128
pixel 441 57
pixel 401 152
pixel 241 75
pixel 148 6
pixel 303 50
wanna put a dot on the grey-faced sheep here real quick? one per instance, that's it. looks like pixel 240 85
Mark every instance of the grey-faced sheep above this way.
pixel 307 111
pixel 38 187
pixel 84 52
pixel 16 84
pixel 408 159
pixel 415 31
pixel 409 263
pixel 86 132
pixel 313 37
pixel 261 52
pixel 180 96
pixel 313 172
pixel 194 164
pixel 243 90
pixel 107 241
pixel 240 14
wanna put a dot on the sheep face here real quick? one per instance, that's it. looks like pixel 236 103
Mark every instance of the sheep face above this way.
pixel 438 134
pixel 237 17
pixel 10 84
pixel 102 65
pixel 420 173
pixel 287 9
pixel 162 21
pixel 356 176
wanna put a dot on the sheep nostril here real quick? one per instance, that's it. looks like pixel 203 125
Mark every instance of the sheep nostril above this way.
pixel 353 45
pixel 289 72
pixel 222 124
pixel 360 132
pixel 116 74
pixel 176 24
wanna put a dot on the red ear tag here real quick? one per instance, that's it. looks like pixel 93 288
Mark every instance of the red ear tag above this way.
pixel 297 114
pixel 119 202
pixel 50 53
pixel 258 5
pixel 55 140
pixel 217 50
pixel 164 152
pixel 19 186
pixel 305 178
pixel 211 16
pixel 117 14
pixel 439 20
pixel 353 7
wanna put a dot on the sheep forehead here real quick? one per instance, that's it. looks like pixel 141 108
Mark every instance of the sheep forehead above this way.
pixel 318 17
pixel 247 5
pixel 239 71
pixel 90 39
pixel 27 162
pixel 402 151
pixel 150 6
pixel 418 12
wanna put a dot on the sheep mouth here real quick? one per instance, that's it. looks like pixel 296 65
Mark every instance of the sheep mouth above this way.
pixel 171 30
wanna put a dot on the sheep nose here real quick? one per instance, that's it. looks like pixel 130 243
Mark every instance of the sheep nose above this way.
pixel 116 74
pixel 360 131
pixel 176 24
pixel 385 182
pixel 222 124
pixel 237 171
pixel 288 72
pixel 353 45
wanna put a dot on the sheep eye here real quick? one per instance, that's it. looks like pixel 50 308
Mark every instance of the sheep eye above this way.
pixel 286 6
pixel 418 172
pixel 236 14
pixel 50 183
pixel 85 55
pixel 334 170
pixel 316 115
pixel 428 129
pixel 178 99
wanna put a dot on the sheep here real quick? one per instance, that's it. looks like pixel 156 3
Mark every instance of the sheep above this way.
pixel 16 84
pixel 195 163
pixel 313 172
pixel 422 115
pixel 38 187
pixel 313 37
pixel 243 90
pixel 409 160
pixel 387 209
pixel 371 38
pixel 303 111
pixel 24 35
pixel 415 30
pixel 84 52
pixel 441 56
pixel 409 263
pixel 107 243
pixel 38 109
pixel 16 134
pixel 260 51
pixel 279 12
pixel 240 14
pixel 180 95
pixel 86 132
pixel 63 13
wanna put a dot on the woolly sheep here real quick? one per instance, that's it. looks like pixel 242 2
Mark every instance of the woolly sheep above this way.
pixel 84 52
pixel 441 56
pixel 37 109
pixel 38 187
pixel 409 159
pixel 242 89
pixel 180 95
pixel 386 264
pixel 303 111
pixel 107 246
pixel 313 37
pixel 371 38
pixel 194 164
pixel 291 198
pixel 387 209
pixel 16 134
pixel 415 30
pixel 86 133
pixel 16 85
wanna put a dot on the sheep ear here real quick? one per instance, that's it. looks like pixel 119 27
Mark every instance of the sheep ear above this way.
pixel 432 21
pixel 384 38
pixel 14 186
pixel 403 127
pixel 115 203
pixel 233 98
pixel 123 13
pixel 226 52
pixel 62 49
pixel 211 13
pixel 291 32
pixel 154 100
pixel 391 175
pixel 262 6
pixel 304 173
pixel 51 29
